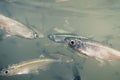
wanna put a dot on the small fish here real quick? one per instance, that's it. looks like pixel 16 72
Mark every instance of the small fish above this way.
pixel 94 49
pixel 60 37
pixel 15 28
pixel 27 67
pixel 90 48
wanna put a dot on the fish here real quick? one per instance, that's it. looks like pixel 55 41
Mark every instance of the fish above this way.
pixel 88 47
pixel 12 27
pixel 60 37
pixel 27 67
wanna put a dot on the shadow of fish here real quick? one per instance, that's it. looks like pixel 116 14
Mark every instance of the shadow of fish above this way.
pixel 76 75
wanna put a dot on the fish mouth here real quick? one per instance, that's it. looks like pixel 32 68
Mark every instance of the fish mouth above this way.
pixel 36 35
pixel 51 37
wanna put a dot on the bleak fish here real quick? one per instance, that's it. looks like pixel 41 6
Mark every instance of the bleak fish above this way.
pixel 60 37
pixel 89 47
pixel 94 49
pixel 27 67
pixel 14 28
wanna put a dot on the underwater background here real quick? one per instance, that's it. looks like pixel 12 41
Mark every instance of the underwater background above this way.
pixel 96 19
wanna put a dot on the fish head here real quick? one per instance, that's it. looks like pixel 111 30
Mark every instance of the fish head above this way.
pixel 55 38
pixel 35 34
pixel 12 70
pixel 7 72
pixel 76 44
pixel 73 42
pixel 32 35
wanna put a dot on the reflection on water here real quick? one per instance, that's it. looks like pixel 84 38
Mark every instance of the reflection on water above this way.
pixel 98 19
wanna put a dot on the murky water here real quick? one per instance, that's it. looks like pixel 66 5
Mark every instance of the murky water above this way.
pixel 97 19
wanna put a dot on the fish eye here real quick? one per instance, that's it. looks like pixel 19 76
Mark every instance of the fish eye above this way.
pixel 6 72
pixel 72 42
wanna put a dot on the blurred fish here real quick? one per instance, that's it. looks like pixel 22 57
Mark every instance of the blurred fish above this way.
pixel 27 67
pixel 14 28
pixel 88 47
pixel 60 37
pixel 94 49
pixel 34 65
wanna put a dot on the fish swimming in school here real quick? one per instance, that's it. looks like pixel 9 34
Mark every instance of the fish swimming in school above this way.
pixel 87 47
pixel 28 67
pixel 12 27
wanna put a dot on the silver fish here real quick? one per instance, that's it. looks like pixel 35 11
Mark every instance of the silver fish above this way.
pixel 60 37
pixel 15 28
pixel 94 49
pixel 27 67
pixel 90 48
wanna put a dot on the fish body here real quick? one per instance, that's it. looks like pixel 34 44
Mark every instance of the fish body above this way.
pixel 91 48
pixel 15 28
pixel 27 67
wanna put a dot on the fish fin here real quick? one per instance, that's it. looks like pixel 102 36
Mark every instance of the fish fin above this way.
pixel 7 35
pixel 107 43
pixel 101 62
pixel 55 56
pixel 61 58
pixel 42 56
pixel 91 37
pixel 36 72
pixel 2 37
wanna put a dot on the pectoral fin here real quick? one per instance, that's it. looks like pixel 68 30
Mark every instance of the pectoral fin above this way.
pixel 4 36
pixel 101 62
